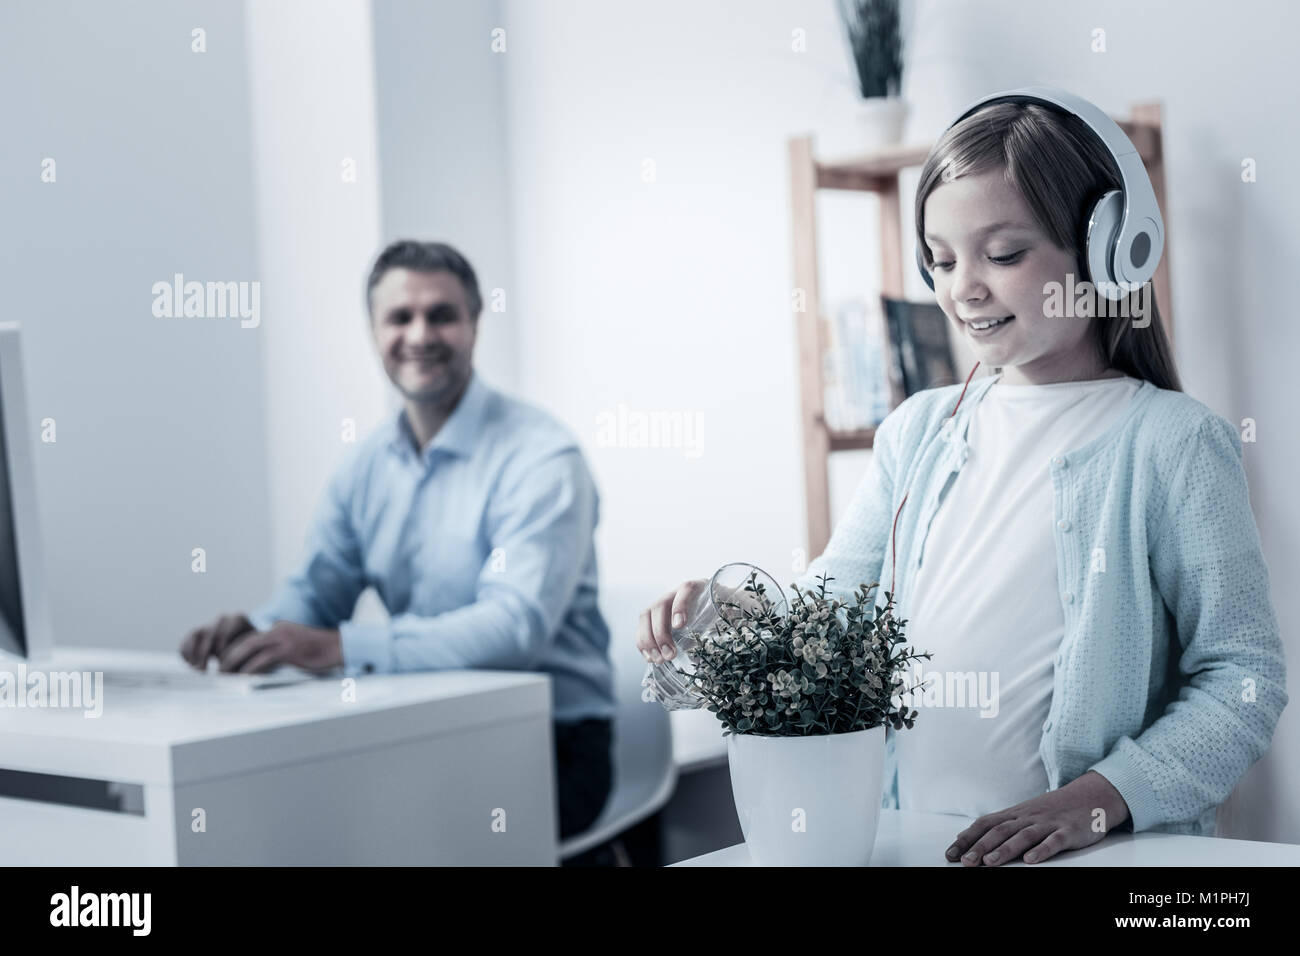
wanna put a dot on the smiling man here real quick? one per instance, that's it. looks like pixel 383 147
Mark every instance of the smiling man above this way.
pixel 471 513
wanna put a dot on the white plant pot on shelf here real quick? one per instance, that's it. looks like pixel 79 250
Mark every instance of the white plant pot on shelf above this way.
pixel 880 121
pixel 808 801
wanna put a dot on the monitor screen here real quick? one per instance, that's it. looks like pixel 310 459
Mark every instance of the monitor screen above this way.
pixel 13 637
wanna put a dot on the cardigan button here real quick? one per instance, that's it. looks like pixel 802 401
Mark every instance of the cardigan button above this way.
pixel 1063 524
pixel 1058 461
pixel 1069 597
pixel 1047 726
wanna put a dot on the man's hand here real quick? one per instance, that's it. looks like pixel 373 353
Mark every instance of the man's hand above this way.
pixel 212 640
pixel 311 648
pixel 1042 827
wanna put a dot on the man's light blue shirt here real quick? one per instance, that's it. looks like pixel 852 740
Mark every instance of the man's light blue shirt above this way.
pixel 481 548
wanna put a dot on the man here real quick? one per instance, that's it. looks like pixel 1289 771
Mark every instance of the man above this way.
pixel 471 513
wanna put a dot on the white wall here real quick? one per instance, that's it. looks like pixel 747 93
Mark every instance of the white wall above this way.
pixel 440 97
pixel 675 294
pixel 313 108
pixel 159 421
pixel 670 295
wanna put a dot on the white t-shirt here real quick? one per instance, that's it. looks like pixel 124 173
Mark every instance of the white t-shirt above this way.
pixel 986 602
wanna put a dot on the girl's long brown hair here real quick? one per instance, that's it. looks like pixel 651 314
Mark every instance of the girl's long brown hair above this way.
pixel 1060 167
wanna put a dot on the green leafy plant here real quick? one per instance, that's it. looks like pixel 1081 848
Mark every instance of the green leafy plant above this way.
pixel 875 40
pixel 823 667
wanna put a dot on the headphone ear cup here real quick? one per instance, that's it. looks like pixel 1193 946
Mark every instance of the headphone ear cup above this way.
pixel 1101 231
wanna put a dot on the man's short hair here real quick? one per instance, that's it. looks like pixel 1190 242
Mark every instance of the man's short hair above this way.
pixel 426 257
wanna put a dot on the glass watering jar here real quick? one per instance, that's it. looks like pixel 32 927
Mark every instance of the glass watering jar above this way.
pixel 733 589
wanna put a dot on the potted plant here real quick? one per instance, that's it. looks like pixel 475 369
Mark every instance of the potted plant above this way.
pixel 875 42
pixel 804 696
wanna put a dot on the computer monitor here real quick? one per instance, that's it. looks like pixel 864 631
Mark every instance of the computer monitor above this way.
pixel 24 614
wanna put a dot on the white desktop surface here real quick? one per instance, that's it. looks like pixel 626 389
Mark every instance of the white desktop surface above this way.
pixel 158 735
pixel 919 839
pixel 474 739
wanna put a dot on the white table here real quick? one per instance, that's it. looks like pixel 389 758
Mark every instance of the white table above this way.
pixel 414 771
pixel 919 839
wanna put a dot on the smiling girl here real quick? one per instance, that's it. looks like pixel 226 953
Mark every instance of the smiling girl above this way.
pixel 1079 530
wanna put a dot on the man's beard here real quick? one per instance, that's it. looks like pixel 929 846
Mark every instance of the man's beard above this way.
pixel 435 394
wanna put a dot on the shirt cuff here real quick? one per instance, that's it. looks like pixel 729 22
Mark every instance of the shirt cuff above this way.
pixel 367 648
pixel 261 620
pixel 1125 776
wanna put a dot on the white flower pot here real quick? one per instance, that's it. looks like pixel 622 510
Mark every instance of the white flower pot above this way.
pixel 808 801
pixel 880 121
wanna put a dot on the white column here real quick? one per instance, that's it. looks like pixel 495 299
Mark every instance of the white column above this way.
pixel 311 89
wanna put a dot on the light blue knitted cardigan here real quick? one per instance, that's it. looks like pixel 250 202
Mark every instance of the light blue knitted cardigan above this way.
pixel 1170 678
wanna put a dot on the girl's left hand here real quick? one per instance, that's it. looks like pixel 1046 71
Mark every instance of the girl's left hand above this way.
pixel 1044 826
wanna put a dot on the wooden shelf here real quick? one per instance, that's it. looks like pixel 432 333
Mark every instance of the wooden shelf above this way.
pixel 861 439
pixel 865 172
pixel 879 173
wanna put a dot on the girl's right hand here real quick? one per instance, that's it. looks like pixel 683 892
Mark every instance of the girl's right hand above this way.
pixel 654 629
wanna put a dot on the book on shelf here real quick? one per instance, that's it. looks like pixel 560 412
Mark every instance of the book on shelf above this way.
pixel 855 366
pixel 921 355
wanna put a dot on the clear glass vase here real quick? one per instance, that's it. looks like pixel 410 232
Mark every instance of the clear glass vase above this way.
pixel 733 589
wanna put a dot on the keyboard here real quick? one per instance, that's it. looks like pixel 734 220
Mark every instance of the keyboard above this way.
pixel 206 680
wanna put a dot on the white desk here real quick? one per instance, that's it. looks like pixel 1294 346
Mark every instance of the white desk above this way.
pixel 412 772
pixel 920 839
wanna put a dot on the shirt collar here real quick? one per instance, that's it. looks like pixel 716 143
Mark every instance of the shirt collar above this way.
pixel 984 385
pixel 955 431
pixel 457 434
pixel 975 391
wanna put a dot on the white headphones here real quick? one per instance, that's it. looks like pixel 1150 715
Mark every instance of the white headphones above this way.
pixel 1125 235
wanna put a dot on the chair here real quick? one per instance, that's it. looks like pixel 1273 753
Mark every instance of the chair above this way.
pixel 644 773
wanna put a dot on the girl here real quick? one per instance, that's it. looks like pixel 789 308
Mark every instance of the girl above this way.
pixel 1077 548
